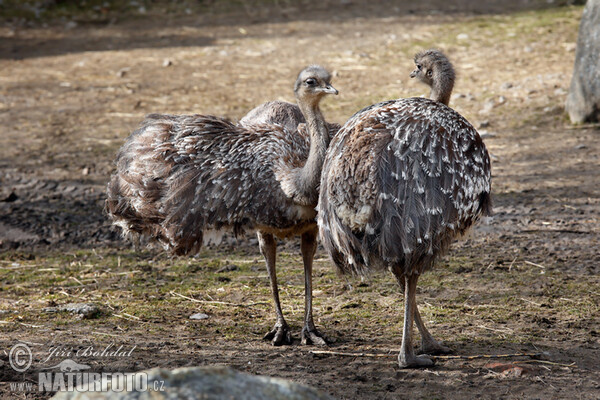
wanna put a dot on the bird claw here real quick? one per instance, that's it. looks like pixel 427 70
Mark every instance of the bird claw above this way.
pixel 413 361
pixel 279 335
pixel 313 336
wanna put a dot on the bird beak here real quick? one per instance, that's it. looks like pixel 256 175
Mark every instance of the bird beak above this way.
pixel 329 89
pixel 413 74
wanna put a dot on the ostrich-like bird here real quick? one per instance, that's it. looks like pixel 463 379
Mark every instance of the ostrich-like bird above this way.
pixel 401 180
pixel 185 180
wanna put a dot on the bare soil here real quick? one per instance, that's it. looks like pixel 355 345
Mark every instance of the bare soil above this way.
pixel 527 282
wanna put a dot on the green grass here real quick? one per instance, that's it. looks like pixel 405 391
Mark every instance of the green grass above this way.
pixel 494 305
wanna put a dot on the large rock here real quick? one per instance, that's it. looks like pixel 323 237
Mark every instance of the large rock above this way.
pixel 206 383
pixel 583 101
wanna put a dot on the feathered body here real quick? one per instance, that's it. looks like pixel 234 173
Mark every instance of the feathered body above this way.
pixel 185 180
pixel 400 181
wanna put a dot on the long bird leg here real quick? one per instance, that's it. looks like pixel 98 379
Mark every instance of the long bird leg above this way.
pixel 407 357
pixel 428 344
pixel 280 334
pixel 308 246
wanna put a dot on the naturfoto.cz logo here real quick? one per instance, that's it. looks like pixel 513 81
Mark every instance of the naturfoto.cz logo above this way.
pixel 69 375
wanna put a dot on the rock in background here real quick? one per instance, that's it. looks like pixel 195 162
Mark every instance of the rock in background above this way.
pixel 583 101
pixel 207 383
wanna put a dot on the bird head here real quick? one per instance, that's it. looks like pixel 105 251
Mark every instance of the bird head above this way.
pixel 429 64
pixel 313 83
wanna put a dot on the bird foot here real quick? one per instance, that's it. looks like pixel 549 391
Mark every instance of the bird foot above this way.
pixel 279 335
pixel 434 348
pixel 412 361
pixel 313 336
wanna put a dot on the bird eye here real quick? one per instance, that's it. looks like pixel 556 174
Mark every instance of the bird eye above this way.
pixel 310 82
pixel 429 73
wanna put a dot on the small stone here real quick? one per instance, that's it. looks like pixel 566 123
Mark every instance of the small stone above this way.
pixel 528 49
pixel 487 107
pixel 71 25
pixel 580 146
pixel 560 92
pixel 506 85
pixel 122 72
pixel 227 268
pixel 462 36
pixel 85 310
pixel 167 63
pixel 199 316
pixel 484 124
pixel 85 171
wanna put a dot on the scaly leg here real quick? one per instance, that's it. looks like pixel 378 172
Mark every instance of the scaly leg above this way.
pixel 428 343
pixel 407 357
pixel 280 334
pixel 308 246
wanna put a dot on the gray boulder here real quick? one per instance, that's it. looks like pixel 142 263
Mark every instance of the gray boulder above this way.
pixel 204 383
pixel 583 101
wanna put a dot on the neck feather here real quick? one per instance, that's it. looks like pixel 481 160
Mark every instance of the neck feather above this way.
pixel 308 177
pixel 443 83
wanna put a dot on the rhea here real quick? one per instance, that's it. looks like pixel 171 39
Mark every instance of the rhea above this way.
pixel 185 180
pixel 400 181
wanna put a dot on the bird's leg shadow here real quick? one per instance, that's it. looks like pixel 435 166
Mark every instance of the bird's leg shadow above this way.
pixel 280 334
pixel 308 246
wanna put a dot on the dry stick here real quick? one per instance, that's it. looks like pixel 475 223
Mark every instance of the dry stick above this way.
pixel 339 353
pixel 583 126
pixel 548 362
pixel 126 318
pixel 225 303
pixel 534 264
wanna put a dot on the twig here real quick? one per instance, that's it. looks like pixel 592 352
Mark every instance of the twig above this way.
pixel 340 353
pixel 534 264
pixel 132 316
pixel 582 126
pixel 531 355
pixel 531 302
pixel 225 303
pixel 124 317
pixel 558 231
pixel 31 325
pixel 17 266
pixel 77 280
pixel 507 330
pixel 473 357
pixel 107 334
pixel 549 362
pixel 511 264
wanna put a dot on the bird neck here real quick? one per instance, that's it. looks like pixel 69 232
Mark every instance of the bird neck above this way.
pixel 443 83
pixel 309 176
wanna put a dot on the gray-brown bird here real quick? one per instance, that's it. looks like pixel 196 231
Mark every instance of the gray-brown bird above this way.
pixel 185 180
pixel 401 180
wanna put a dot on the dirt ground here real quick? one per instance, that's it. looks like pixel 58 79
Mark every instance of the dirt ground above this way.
pixel 526 282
